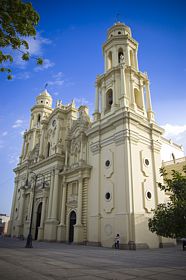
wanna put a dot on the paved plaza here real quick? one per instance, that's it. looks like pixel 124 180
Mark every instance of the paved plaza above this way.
pixel 47 261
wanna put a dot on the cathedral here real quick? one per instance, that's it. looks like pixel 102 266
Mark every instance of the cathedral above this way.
pixel 84 181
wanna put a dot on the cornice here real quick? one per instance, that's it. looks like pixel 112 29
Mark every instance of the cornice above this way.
pixel 56 158
pixel 120 39
pixel 39 107
pixel 79 171
pixel 123 116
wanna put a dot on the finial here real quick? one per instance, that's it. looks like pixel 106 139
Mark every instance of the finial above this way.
pixel 46 85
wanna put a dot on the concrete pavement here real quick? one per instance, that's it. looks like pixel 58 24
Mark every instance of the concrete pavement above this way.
pixel 49 261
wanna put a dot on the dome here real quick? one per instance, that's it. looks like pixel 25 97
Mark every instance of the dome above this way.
pixel 45 93
pixel 119 29
pixel 44 98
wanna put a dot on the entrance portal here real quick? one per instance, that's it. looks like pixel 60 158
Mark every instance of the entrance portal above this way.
pixel 38 219
pixel 71 226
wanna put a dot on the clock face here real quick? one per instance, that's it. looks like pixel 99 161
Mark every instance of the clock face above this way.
pixel 54 123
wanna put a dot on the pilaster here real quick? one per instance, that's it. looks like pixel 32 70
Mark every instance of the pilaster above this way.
pixel 61 230
pixel 124 102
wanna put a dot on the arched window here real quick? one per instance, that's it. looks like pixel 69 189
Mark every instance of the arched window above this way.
pixel 132 58
pixel 72 222
pixel 120 52
pixel 38 120
pixel 109 99
pixel 138 98
pixel 110 60
pixel 48 149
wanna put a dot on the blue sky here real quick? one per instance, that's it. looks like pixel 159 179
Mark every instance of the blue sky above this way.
pixel 70 38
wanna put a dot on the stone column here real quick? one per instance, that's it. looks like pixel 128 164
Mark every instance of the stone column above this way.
pixel 136 60
pixel 51 222
pixel 142 95
pixel 81 149
pixel 23 150
pixel 61 232
pixel 114 95
pixel 55 196
pixel 64 193
pixel 30 204
pixel 79 210
pixel 41 143
pixel 123 95
pixel 41 228
pixel 132 92
pixel 50 194
pixel 78 228
pixel 105 60
pixel 58 144
pixel 33 138
pixel 96 112
pixel 10 225
pixel 21 208
pixel 150 113
pixel 103 100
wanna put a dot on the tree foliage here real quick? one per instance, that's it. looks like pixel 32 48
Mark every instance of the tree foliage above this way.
pixel 169 219
pixel 17 21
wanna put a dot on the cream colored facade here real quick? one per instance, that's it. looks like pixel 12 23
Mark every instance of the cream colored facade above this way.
pixel 100 176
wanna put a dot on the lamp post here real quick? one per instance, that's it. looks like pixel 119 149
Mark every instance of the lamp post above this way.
pixel 29 237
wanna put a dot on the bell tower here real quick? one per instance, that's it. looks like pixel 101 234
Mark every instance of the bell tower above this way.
pixel 39 112
pixel 41 109
pixel 122 85
pixel 125 144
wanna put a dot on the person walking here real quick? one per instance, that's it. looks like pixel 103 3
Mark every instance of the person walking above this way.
pixel 117 241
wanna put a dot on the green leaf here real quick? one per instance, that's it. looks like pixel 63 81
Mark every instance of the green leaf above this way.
pixel 9 77
pixel 39 61
pixel 26 56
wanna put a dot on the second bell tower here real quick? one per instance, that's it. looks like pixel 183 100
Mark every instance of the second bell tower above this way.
pixel 122 85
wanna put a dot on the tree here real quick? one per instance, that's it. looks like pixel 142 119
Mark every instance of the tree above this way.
pixel 17 21
pixel 169 219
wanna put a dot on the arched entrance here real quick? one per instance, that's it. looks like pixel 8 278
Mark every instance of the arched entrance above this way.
pixel 71 226
pixel 38 219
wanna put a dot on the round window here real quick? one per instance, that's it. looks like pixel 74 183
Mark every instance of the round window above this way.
pixel 149 195
pixel 147 162
pixel 107 196
pixel 107 163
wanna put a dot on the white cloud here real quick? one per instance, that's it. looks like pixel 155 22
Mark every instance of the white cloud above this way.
pixel 36 45
pixel 35 50
pixel 4 133
pixel 57 80
pixel 58 76
pixel 46 64
pixel 81 101
pixel 22 76
pixel 56 83
pixel 177 133
pixel 13 158
pixel 173 130
pixel 55 93
pixel 18 123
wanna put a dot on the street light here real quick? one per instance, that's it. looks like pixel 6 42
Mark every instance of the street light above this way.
pixel 29 237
